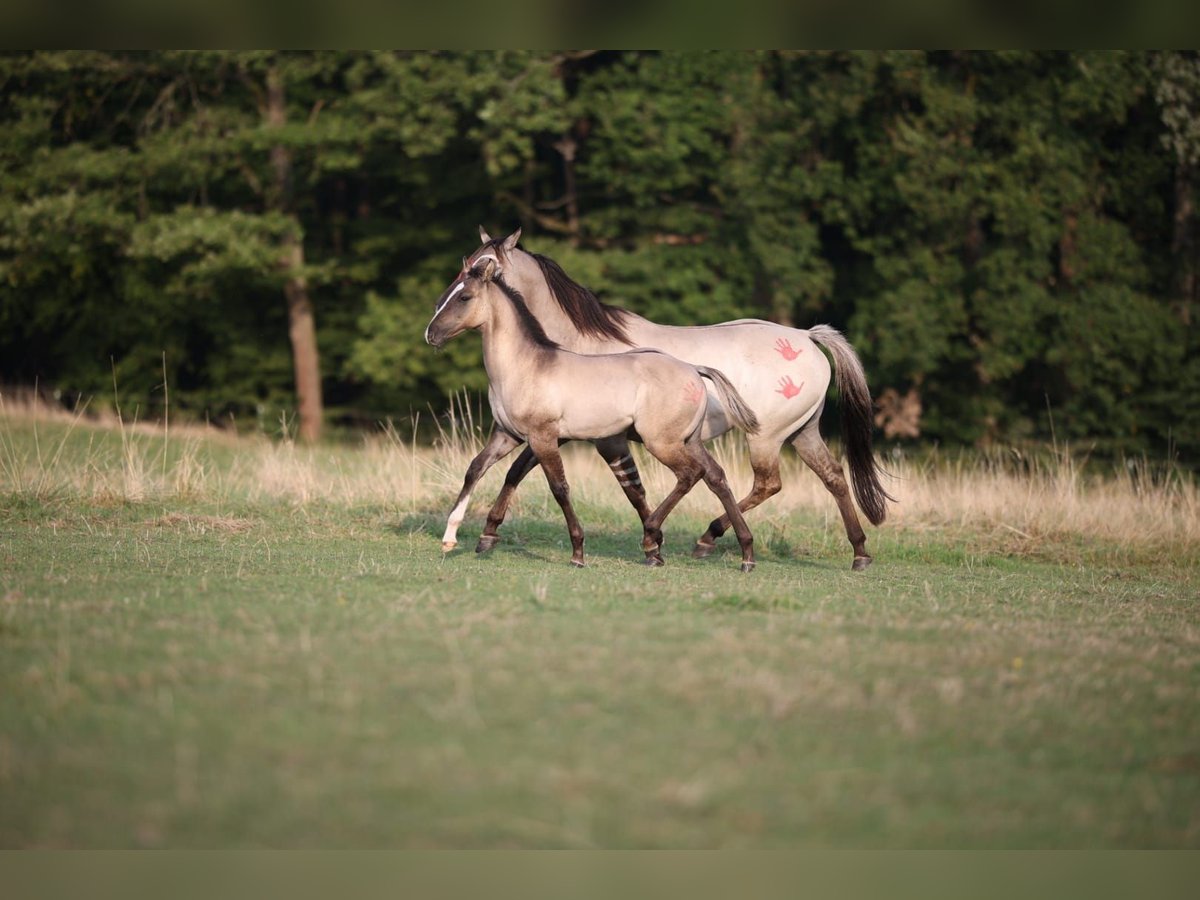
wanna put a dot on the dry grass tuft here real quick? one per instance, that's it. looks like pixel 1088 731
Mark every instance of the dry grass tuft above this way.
pixel 1052 498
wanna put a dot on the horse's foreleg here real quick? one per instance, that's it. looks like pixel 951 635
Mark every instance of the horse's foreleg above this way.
pixel 764 460
pixel 546 451
pixel 525 463
pixel 499 445
pixel 615 451
pixel 816 455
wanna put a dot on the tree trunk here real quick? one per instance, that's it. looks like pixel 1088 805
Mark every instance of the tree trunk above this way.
pixel 302 331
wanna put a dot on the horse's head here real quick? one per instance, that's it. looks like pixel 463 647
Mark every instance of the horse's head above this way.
pixel 494 257
pixel 463 305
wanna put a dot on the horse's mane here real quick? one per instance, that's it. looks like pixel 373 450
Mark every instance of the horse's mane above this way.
pixel 585 310
pixel 532 327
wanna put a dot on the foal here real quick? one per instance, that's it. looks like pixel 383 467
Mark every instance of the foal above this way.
pixel 545 395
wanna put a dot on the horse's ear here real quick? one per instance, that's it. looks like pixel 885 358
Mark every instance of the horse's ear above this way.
pixel 510 242
pixel 489 269
pixel 483 235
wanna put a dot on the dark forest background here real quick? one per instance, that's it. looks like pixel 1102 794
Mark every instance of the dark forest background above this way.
pixel 1009 239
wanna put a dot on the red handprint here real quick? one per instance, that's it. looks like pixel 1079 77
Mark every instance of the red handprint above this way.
pixel 784 348
pixel 788 388
pixel 693 392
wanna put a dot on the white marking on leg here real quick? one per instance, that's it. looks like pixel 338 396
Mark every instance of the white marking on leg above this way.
pixel 456 518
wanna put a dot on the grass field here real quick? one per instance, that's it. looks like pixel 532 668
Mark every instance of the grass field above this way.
pixel 209 641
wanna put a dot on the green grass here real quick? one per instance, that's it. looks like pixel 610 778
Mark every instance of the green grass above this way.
pixel 210 669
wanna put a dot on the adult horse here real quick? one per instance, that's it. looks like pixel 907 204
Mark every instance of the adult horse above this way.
pixel 778 370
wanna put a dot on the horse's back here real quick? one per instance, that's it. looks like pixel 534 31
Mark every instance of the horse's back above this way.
pixel 618 390
pixel 779 371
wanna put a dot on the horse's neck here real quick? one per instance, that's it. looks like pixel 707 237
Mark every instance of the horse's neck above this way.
pixel 558 325
pixel 528 279
pixel 509 354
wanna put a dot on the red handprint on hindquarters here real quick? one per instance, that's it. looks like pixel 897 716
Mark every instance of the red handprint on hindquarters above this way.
pixel 693 392
pixel 788 388
pixel 784 348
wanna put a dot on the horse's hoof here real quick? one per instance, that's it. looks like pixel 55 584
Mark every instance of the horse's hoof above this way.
pixel 486 543
pixel 447 546
pixel 654 561
pixel 860 563
pixel 702 550
pixel 748 566
pixel 577 563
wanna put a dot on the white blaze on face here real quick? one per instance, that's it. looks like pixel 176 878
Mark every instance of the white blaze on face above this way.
pixel 457 287
pixel 437 312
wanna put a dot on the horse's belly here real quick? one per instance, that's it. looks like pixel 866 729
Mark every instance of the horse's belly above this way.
pixel 586 421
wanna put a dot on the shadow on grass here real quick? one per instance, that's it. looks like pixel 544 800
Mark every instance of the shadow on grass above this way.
pixel 548 542
pixel 529 539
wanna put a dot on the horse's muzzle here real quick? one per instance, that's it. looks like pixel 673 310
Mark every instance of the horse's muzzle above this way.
pixel 435 336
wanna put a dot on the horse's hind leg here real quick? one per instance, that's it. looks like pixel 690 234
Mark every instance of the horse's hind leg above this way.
pixel 546 450
pixel 687 473
pixel 499 445
pixel 616 453
pixel 764 460
pixel 816 455
pixel 714 477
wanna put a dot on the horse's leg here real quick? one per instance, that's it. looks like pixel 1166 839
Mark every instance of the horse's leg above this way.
pixel 812 450
pixel 714 477
pixel 764 460
pixel 499 445
pixel 615 451
pixel 687 473
pixel 525 463
pixel 546 451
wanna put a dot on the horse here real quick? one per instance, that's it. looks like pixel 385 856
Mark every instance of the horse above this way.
pixel 777 369
pixel 545 395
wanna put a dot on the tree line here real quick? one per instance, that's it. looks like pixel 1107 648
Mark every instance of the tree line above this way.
pixel 1009 239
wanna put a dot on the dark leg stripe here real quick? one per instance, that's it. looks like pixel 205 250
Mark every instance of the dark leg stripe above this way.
pixel 626 471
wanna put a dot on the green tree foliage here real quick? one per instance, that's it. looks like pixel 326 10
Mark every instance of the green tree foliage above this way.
pixel 1001 234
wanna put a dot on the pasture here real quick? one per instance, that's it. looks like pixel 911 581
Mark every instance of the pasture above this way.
pixel 210 641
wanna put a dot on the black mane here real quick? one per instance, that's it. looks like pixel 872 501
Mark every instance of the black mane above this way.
pixel 585 310
pixel 533 328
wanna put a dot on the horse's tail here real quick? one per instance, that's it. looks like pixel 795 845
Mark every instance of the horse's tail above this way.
pixel 856 422
pixel 743 416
